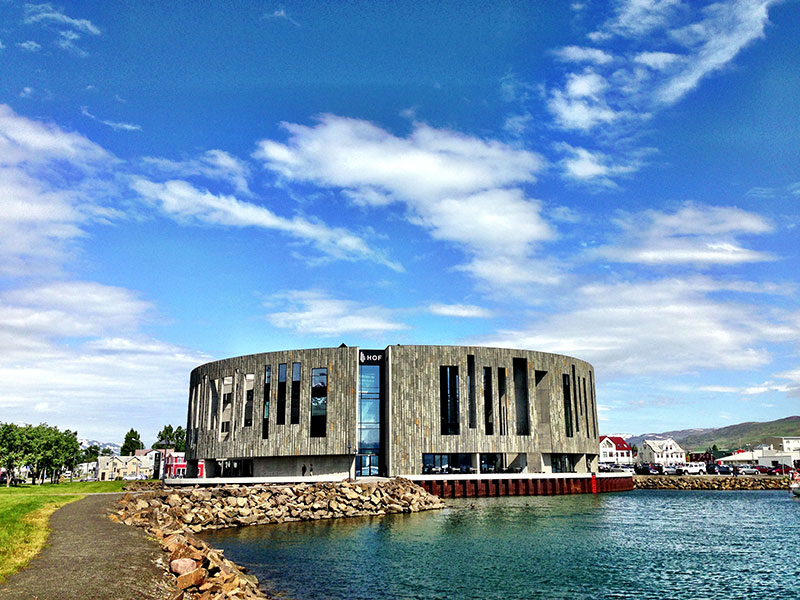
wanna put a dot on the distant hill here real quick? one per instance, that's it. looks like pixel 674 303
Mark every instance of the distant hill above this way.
pixel 738 436
pixel 732 436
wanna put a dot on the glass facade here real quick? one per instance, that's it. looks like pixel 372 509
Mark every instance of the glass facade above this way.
pixel 319 402
pixel 448 398
pixel 369 419
pixel 295 404
pixel 249 384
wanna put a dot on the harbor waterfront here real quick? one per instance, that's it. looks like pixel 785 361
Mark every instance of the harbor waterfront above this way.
pixel 641 544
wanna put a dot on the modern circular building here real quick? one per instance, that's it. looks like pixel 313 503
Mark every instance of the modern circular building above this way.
pixel 402 410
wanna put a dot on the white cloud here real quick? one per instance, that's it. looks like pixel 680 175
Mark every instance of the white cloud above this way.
pixel 664 326
pixel 45 13
pixel 584 165
pixel 466 311
pixel 68 347
pixel 636 18
pixel 212 164
pixel 578 113
pixel 116 126
pixel 26 92
pixel 698 234
pixel 315 313
pixel 29 46
pixel 280 13
pixel 41 213
pixel 462 189
pixel 579 54
pixel 657 60
pixel 187 204
pixel 517 125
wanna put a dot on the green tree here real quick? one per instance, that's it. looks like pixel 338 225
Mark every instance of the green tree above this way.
pixel 106 452
pixel 89 454
pixel 131 444
pixel 170 437
pixel 11 455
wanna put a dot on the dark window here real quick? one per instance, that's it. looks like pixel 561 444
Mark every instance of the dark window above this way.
pixel 295 405
pixel 593 407
pixel 448 395
pixel 473 409
pixel 227 392
pixel 575 393
pixel 501 394
pixel 585 406
pixel 214 390
pixel 226 427
pixel 319 402
pixel 521 395
pixel 281 416
pixel 488 412
pixel 265 418
pixel 447 463
pixel 567 404
pixel 249 384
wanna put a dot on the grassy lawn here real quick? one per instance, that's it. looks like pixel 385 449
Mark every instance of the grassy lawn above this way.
pixel 24 515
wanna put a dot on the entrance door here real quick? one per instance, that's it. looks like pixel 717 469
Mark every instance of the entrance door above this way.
pixel 366 465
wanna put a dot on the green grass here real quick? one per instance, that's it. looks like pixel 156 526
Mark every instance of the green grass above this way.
pixel 24 515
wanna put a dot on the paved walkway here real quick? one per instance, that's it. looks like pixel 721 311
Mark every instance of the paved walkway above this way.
pixel 89 557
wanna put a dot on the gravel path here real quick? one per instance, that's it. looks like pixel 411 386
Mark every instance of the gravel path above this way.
pixel 89 557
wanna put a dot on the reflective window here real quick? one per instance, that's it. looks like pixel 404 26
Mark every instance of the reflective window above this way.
pixel 281 414
pixel 319 402
pixel 488 412
pixel 448 396
pixel 265 417
pixel 249 384
pixel 295 403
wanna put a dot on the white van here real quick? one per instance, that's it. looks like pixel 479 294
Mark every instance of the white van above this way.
pixel 694 468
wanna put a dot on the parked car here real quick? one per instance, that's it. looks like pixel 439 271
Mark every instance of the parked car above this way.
pixel 781 470
pixel 763 469
pixel 645 469
pixel 748 470
pixel 604 467
pixel 622 469
pixel 724 470
pixel 669 470
pixel 692 469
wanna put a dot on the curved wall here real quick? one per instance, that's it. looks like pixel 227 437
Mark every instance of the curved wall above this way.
pixel 462 406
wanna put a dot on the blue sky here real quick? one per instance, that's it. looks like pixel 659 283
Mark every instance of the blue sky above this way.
pixel 618 181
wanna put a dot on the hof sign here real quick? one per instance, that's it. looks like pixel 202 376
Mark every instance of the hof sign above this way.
pixel 370 357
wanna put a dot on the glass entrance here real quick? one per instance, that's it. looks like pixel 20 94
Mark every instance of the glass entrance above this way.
pixel 366 465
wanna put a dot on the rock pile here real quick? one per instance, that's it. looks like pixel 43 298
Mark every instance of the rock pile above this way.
pixel 710 482
pixel 173 516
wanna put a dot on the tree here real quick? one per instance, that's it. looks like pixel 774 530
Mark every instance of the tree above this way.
pixel 106 452
pixel 90 454
pixel 131 444
pixel 171 438
pixel 10 449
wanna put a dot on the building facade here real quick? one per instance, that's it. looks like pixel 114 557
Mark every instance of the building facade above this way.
pixel 401 410
pixel 662 452
pixel 614 450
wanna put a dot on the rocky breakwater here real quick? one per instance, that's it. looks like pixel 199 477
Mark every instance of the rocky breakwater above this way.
pixel 174 516
pixel 709 482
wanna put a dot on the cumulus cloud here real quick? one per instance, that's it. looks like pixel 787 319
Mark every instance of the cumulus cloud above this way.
pixel 693 234
pixel 462 189
pixel 587 166
pixel 664 326
pixel 187 204
pixel 315 313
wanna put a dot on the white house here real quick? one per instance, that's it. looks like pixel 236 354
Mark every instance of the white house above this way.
pixel 615 450
pixel 662 452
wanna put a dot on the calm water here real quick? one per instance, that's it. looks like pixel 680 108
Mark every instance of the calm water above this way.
pixel 642 544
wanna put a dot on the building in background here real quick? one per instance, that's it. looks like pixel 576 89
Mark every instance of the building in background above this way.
pixel 614 450
pixel 662 452
pixel 401 410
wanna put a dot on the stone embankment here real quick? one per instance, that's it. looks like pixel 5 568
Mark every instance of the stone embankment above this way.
pixel 709 482
pixel 173 517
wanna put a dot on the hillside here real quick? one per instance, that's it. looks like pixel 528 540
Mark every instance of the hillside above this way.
pixel 739 436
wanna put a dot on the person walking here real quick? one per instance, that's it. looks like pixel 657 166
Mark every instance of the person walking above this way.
pixel 303 470
pixel 311 470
